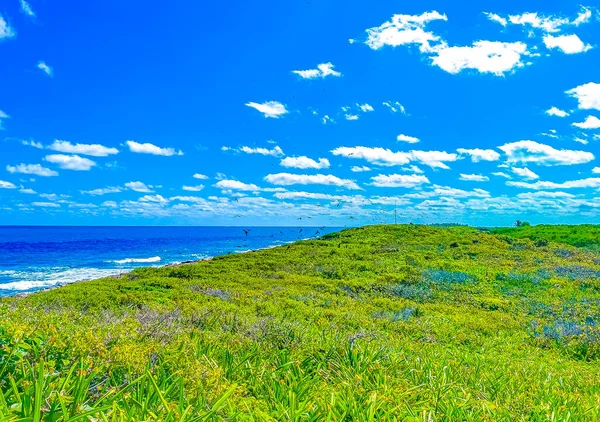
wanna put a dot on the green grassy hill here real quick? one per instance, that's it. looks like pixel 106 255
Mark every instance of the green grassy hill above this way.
pixel 405 322
pixel 583 236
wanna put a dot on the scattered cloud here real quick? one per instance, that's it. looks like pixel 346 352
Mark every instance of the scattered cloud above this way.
pixel 323 70
pixel 34 144
pixel 45 68
pixel 386 157
pixel 200 176
pixel 286 179
pixel 478 154
pixel 394 106
pixel 3 116
pixel 406 138
pixel 553 111
pixel 138 187
pixel 305 163
pixel 28 191
pixel 484 56
pixel 474 177
pixel 357 169
pixel 6 185
pixel 501 174
pixel 193 188
pixel 326 119
pixel 587 95
pixel 365 108
pixel 405 30
pixel 276 151
pixel 399 180
pixel 46 204
pixel 525 173
pixel 102 191
pixel 351 116
pixel 533 152
pixel 148 148
pixel 591 122
pixel 5 30
pixel 568 44
pixel 26 9
pixel 95 150
pixel 71 162
pixel 549 23
pixel 591 182
pixel 272 109
pixel 35 169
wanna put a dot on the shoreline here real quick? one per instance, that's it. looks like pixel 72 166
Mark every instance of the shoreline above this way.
pixel 124 273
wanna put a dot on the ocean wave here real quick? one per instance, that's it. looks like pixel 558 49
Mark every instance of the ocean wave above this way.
pixel 137 260
pixel 28 280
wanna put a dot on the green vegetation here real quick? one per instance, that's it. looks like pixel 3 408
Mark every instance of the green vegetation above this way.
pixel 583 236
pixel 407 323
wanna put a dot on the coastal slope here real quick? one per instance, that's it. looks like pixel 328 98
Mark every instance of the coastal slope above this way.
pixel 400 322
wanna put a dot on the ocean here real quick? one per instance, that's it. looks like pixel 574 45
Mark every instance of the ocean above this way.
pixel 36 258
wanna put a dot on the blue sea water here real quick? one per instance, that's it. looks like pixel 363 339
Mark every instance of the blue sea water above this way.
pixel 36 258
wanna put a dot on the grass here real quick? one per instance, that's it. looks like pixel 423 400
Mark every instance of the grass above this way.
pixel 583 236
pixel 408 323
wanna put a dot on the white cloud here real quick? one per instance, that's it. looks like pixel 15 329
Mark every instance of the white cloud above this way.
pixel 193 188
pixel 596 170
pixel 45 204
pixel 399 180
pixel 200 176
pixel 394 106
pixel 95 150
pixel 109 204
pixel 34 144
pixel 3 116
pixel 311 195
pixel 275 152
pixel 5 30
pixel 501 174
pixel 326 119
pixel 474 177
pixel 6 185
pixel 34 169
pixel 103 191
pixel 305 163
pixel 27 191
pixel 45 68
pixel 478 154
pixel 544 194
pixel 351 116
pixel 357 169
pixel 544 23
pixel 323 70
pixel 148 148
pixel 541 154
pixel 158 199
pixel 70 162
pixel 568 44
pixel 484 56
pixel 525 172
pixel 581 141
pixel 434 159
pixel 405 30
pixel 406 138
pixel 496 18
pixel 26 9
pixel 413 168
pixel 553 111
pixel 365 108
pixel 138 187
pixel 237 185
pixel 286 179
pixel 591 122
pixel 272 109
pixel 385 157
pixel 591 182
pixel 588 95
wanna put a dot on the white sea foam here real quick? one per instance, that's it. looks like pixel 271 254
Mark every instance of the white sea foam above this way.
pixel 137 260
pixel 40 280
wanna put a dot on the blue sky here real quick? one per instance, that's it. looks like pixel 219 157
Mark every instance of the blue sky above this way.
pixel 299 113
